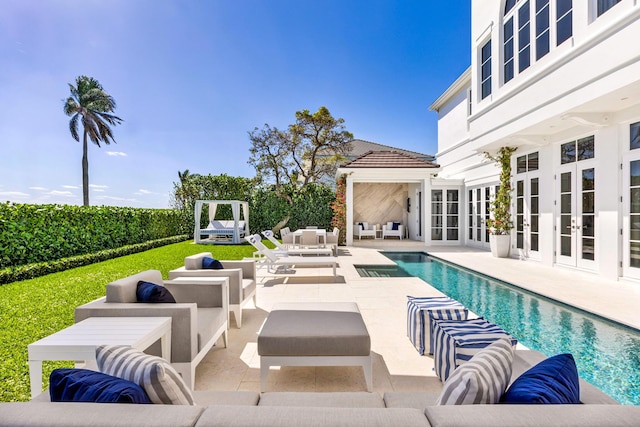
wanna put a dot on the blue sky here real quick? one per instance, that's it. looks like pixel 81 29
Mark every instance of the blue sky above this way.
pixel 191 78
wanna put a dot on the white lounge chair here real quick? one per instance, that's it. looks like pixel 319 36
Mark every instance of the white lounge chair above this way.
pixel 274 259
pixel 281 249
pixel 333 240
pixel 388 231
pixel 363 229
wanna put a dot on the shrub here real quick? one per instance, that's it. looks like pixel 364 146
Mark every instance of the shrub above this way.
pixel 40 233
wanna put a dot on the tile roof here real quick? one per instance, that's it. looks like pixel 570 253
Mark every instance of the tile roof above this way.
pixel 388 159
pixel 360 147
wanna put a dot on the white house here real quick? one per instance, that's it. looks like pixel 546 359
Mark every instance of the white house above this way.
pixel 559 80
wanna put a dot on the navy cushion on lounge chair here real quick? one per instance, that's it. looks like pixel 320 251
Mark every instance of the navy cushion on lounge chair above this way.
pixel 554 380
pixel 395 226
pixel 361 226
pixel 150 292
pixel 83 385
pixel 211 264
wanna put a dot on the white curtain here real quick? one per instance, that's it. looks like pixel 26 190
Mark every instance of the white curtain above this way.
pixel 235 208
pixel 212 211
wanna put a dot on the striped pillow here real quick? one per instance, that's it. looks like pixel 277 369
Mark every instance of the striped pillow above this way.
pixel 155 375
pixel 481 380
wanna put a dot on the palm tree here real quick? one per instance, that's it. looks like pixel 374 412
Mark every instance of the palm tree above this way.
pixel 91 104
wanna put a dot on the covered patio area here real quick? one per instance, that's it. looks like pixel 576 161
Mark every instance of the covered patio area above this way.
pixel 383 187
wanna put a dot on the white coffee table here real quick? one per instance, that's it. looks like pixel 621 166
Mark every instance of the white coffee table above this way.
pixel 79 342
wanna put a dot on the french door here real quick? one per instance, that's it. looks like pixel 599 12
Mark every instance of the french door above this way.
pixel 631 215
pixel 527 215
pixel 478 211
pixel 575 215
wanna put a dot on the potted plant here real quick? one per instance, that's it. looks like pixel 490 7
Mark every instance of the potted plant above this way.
pixel 499 221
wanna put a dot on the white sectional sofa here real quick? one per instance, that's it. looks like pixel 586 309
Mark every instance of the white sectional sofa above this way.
pixel 235 408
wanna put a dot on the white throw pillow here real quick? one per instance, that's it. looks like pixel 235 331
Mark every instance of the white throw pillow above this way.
pixel 481 380
pixel 389 225
pixel 162 383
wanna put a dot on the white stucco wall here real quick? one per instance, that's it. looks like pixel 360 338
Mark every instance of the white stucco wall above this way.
pixel 589 85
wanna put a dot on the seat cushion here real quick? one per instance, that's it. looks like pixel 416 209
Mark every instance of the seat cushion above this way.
pixel 320 330
pixel 552 381
pixel 327 400
pixel 161 382
pixel 248 286
pixel 209 321
pixel 84 385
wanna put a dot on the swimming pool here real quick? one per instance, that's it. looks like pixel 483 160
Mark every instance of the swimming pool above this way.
pixel 607 354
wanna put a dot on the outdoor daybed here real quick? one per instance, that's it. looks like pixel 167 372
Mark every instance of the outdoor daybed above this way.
pixel 235 408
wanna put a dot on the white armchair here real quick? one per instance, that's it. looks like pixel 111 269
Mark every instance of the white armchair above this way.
pixel 363 229
pixel 388 230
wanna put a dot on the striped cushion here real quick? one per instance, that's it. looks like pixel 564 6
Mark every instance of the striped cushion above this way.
pixel 456 342
pixel 483 379
pixel 155 375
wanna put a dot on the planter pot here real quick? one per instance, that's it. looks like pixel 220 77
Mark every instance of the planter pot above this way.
pixel 500 245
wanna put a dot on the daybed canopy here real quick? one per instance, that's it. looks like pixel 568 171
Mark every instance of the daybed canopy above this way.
pixel 221 231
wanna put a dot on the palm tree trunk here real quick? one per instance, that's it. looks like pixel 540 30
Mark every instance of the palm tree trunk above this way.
pixel 85 171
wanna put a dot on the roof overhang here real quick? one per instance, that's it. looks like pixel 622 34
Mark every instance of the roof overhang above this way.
pixel 456 86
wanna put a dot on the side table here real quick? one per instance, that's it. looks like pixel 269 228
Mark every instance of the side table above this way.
pixel 79 341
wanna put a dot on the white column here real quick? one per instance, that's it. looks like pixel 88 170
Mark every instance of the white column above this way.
pixel 349 202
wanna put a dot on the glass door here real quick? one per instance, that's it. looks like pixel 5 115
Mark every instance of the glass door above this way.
pixel 631 215
pixel 575 220
pixel 444 215
pixel 478 210
pixel 527 220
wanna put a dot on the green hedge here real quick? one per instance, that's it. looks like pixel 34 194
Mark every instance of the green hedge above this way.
pixel 311 206
pixel 31 271
pixel 41 233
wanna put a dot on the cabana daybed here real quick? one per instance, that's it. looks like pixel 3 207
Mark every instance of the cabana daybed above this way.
pixel 221 231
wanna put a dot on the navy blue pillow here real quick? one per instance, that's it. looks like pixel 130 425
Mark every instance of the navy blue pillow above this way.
pixel 83 385
pixel 211 264
pixel 395 226
pixel 554 380
pixel 150 292
pixel 361 226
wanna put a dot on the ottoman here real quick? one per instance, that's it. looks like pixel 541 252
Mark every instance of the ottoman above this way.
pixel 314 334
pixel 456 341
pixel 421 314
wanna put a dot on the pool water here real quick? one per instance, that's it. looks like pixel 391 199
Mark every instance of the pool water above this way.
pixel 607 354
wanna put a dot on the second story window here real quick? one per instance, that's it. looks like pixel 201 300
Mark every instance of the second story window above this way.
pixel 524 37
pixel 604 5
pixel 528 32
pixel 485 69
pixel 542 28
pixel 509 61
pixel 564 21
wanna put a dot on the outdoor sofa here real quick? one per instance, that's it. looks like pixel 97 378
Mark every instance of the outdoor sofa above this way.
pixel 198 318
pixel 241 274
pixel 234 408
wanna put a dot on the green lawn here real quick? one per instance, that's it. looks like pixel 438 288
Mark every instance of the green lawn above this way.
pixel 33 309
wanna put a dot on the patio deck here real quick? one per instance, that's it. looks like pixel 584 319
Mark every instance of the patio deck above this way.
pixel 397 366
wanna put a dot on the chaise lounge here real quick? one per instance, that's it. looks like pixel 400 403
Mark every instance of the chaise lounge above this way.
pixel 274 261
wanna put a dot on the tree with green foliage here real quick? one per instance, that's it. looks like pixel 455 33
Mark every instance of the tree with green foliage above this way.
pixel 90 104
pixel 192 187
pixel 309 151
